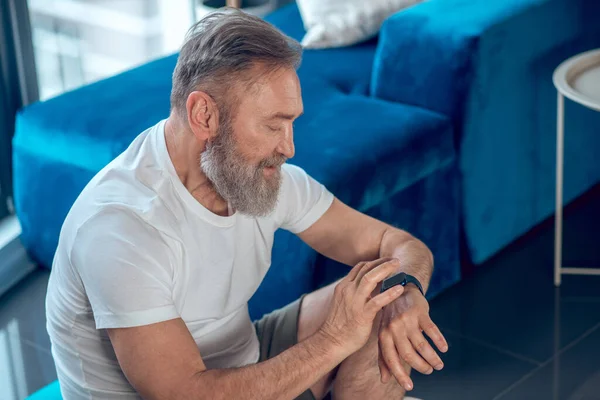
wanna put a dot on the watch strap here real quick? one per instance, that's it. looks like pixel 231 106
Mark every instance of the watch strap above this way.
pixel 403 279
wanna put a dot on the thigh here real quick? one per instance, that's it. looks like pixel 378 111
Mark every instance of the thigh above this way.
pixel 277 332
pixel 313 312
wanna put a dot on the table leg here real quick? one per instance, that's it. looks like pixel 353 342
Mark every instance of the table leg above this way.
pixel 559 189
pixel 556 361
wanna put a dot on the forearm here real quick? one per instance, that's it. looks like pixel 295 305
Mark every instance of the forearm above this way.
pixel 285 376
pixel 415 257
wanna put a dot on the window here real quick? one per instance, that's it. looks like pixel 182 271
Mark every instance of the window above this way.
pixel 59 45
pixel 77 42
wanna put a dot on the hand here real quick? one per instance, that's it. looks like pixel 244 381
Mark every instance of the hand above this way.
pixel 401 338
pixel 353 309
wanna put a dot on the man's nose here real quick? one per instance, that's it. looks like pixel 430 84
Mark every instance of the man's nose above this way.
pixel 286 144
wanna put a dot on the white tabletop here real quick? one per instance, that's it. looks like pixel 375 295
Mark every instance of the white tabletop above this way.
pixel 578 79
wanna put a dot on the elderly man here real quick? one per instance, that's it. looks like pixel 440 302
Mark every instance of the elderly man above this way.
pixel 162 250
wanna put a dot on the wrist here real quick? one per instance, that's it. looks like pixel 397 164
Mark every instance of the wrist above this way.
pixel 331 345
pixel 411 287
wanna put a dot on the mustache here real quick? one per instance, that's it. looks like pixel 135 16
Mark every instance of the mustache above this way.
pixel 274 161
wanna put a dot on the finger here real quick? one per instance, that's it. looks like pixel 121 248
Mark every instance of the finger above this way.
pixel 370 280
pixel 383 369
pixel 383 299
pixel 371 265
pixel 354 271
pixel 409 355
pixel 434 333
pixel 392 360
pixel 423 347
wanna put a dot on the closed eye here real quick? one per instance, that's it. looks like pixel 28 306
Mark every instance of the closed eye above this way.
pixel 274 129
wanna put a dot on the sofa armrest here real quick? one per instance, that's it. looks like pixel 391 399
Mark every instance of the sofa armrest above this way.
pixel 487 65
pixel 428 54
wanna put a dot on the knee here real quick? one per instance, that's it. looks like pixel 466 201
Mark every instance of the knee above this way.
pixel 365 384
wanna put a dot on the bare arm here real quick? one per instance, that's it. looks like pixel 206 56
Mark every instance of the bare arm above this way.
pixel 415 257
pixel 348 236
pixel 162 361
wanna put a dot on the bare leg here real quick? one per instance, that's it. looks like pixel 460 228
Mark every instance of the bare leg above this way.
pixel 313 313
pixel 357 377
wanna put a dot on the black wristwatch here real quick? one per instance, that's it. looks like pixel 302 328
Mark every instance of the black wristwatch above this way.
pixel 401 279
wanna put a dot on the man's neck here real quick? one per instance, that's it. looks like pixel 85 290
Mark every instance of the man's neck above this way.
pixel 185 150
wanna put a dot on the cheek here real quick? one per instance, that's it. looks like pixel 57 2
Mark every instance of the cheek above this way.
pixel 259 146
pixel 246 144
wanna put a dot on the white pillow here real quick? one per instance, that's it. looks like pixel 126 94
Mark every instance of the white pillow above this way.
pixel 337 23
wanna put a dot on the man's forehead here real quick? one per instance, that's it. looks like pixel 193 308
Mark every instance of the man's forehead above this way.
pixel 283 83
pixel 277 97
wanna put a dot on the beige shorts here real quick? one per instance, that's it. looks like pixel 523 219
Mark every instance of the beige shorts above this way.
pixel 277 332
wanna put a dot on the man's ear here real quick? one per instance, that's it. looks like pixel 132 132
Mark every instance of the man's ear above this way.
pixel 203 115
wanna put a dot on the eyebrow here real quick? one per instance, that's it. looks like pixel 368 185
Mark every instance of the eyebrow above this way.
pixel 281 115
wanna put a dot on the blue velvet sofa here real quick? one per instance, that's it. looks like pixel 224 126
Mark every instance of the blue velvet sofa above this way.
pixel 390 160
pixel 443 122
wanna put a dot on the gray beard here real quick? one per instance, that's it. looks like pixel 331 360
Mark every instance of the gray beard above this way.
pixel 242 185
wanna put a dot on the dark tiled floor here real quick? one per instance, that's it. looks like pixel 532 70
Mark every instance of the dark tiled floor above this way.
pixel 509 309
pixel 512 335
pixel 574 373
pixel 472 371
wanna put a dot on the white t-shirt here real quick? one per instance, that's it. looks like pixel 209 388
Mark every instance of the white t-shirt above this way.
pixel 137 248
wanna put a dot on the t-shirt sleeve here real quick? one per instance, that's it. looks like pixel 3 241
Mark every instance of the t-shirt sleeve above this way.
pixel 126 268
pixel 302 200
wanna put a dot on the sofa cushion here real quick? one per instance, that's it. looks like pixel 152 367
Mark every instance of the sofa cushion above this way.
pixel 338 23
pixel 346 70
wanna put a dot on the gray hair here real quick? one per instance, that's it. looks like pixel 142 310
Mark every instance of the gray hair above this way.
pixel 221 48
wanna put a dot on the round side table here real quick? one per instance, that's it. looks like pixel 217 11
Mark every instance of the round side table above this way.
pixel 578 79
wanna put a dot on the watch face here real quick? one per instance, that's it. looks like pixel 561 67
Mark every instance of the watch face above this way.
pixel 402 276
pixel 398 279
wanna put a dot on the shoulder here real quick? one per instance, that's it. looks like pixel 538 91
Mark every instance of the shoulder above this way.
pixel 114 226
pixel 120 237
pixel 302 200
pixel 118 203
pixel 134 183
